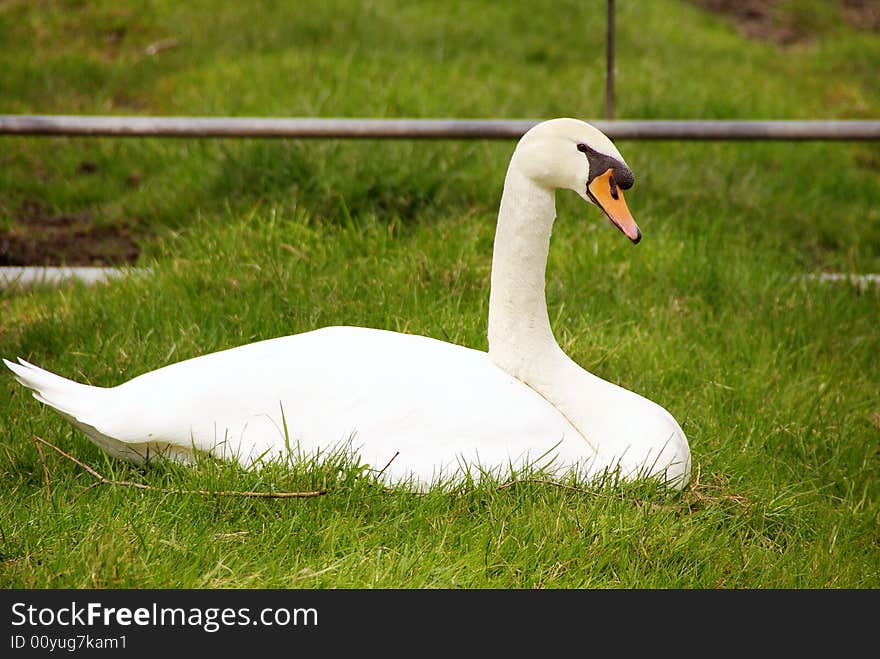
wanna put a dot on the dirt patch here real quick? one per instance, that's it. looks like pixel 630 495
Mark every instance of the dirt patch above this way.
pixel 862 14
pixel 40 237
pixel 772 20
pixel 756 19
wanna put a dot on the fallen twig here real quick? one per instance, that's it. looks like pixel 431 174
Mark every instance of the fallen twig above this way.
pixel 45 468
pixel 103 480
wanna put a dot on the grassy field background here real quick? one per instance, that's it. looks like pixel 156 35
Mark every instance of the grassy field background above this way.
pixel 774 378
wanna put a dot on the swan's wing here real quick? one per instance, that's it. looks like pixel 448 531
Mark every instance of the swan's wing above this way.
pixel 430 403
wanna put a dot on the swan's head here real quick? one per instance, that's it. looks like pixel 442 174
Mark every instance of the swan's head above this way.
pixel 572 154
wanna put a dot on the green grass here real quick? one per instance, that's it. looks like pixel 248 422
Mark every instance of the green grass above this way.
pixel 774 379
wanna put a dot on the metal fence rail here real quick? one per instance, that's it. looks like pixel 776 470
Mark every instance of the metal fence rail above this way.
pixel 307 128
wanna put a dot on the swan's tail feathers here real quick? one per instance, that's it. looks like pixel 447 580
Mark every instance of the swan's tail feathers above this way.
pixel 72 399
pixel 80 404
pixel 94 410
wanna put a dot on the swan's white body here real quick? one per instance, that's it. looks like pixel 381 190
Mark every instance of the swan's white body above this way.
pixel 433 402
pixel 415 408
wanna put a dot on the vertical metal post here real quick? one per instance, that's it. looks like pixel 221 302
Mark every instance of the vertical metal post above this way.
pixel 609 59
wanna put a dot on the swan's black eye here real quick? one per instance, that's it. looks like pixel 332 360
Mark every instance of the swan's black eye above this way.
pixel 582 147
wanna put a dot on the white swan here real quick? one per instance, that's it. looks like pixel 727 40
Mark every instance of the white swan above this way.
pixel 441 409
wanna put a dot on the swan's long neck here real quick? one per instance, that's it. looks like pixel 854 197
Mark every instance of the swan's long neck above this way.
pixel 519 327
pixel 520 338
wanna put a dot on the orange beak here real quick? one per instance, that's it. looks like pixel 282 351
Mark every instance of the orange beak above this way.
pixel 610 199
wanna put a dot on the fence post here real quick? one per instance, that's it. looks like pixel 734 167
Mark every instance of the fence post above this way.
pixel 609 61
